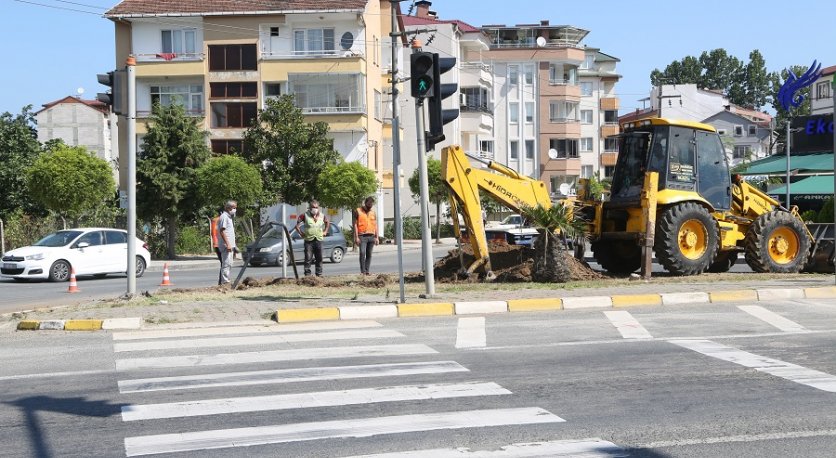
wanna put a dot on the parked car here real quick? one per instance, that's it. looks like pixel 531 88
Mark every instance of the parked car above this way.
pixel 510 222
pixel 268 250
pixel 89 251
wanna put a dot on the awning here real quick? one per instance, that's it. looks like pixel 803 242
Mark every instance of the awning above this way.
pixel 822 184
pixel 772 165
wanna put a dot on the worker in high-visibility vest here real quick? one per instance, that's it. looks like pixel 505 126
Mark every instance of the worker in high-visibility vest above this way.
pixel 213 231
pixel 365 233
pixel 313 226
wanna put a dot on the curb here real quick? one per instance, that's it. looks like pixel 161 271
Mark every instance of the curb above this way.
pixel 80 325
pixel 547 304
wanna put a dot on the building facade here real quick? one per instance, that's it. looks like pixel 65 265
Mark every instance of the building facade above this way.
pixel 223 60
pixel 78 122
pixel 821 95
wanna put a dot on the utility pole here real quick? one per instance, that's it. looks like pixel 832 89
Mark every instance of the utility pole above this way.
pixel 426 236
pixel 131 133
pixel 396 148
pixel 833 93
pixel 787 201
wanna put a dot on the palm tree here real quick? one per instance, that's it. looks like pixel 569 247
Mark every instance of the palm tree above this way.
pixel 555 224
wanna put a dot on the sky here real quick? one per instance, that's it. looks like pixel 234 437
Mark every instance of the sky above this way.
pixel 55 47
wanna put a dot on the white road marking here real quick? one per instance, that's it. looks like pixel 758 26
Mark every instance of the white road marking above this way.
pixel 740 438
pixel 230 330
pixel 470 332
pixel 772 318
pixel 211 342
pixel 583 448
pixel 7 324
pixel 362 427
pixel 273 356
pixel 627 325
pixel 310 400
pixel 54 374
pixel 190 382
pixel 792 372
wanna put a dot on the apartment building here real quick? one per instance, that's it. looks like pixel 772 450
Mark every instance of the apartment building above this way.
pixel 223 59
pixel 821 97
pixel 78 122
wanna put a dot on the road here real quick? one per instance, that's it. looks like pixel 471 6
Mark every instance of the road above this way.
pixel 15 296
pixel 734 380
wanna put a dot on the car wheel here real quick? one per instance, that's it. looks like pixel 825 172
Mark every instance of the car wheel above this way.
pixel 283 260
pixel 140 266
pixel 337 255
pixel 59 271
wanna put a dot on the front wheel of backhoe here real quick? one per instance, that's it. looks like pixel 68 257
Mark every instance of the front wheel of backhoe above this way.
pixel 686 239
pixel 777 242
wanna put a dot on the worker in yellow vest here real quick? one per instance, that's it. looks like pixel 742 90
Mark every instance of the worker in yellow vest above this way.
pixel 365 233
pixel 312 226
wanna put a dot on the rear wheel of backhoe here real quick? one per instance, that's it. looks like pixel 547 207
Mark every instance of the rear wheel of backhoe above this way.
pixel 777 242
pixel 617 256
pixel 686 239
pixel 723 262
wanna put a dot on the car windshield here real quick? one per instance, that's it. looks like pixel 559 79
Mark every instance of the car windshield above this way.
pixel 512 219
pixel 60 238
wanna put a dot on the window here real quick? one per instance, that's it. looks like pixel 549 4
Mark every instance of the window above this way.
pixel 586 88
pixel 514 151
pixel 233 114
pixel 721 132
pixel 227 146
pixel 514 112
pixel 529 149
pixel 738 131
pixel 563 111
pixel 313 41
pixel 823 90
pixel 513 75
pixel 586 116
pixel 327 92
pixel 565 147
pixel 378 101
pixel 560 181
pixel 233 90
pixel 588 62
pixel 586 144
pixel 272 90
pixel 753 130
pixel 188 95
pixel 180 41
pixel 610 144
pixel 486 149
pixel 232 57
pixel 562 74
pixel 475 99
pixel 742 152
pixel 611 117
pixel 529 112
pixel 586 171
pixel 91 238
pixel 115 237
pixel 528 75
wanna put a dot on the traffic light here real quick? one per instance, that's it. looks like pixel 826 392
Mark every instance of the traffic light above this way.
pixel 115 98
pixel 439 116
pixel 421 74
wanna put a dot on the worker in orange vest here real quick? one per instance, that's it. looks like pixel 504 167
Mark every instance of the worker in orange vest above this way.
pixel 213 230
pixel 365 233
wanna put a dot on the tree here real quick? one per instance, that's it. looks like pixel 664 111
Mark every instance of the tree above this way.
pixel 18 149
pixel 70 181
pixel 172 151
pixel 437 189
pixel 291 153
pixel 228 177
pixel 685 71
pixel 553 223
pixel 346 185
pixel 720 69
pixel 756 84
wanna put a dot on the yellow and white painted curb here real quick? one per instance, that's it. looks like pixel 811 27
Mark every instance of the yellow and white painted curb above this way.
pixel 360 312
pixel 80 325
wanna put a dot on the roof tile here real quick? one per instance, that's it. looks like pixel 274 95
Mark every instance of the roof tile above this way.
pixel 156 7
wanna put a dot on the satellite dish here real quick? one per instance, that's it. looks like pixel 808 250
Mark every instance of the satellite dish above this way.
pixel 541 42
pixel 80 91
pixel 552 153
pixel 565 188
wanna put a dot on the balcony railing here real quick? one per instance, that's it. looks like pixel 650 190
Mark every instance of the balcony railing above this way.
pixel 562 82
pixel 193 113
pixel 333 110
pixel 479 65
pixel 563 120
pixel 531 43
pixel 329 53
pixel 170 57
pixel 475 108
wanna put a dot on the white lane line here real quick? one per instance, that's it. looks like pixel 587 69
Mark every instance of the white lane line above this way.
pixel 583 448
pixel 230 330
pixel 212 342
pixel 304 354
pixel 7 324
pixel 310 400
pixel 792 372
pixel 740 438
pixel 470 332
pixel 772 318
pixel 308 374
pixel 54 374
pixel 362 427
pixel 627 325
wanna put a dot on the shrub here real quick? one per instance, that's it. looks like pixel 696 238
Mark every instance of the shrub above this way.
pixel 826 213
pixel 193 240
pixel 809 215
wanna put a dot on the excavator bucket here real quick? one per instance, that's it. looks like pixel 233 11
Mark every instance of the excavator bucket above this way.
pixel 824 248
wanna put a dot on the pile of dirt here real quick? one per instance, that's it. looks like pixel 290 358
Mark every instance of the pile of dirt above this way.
pixel 378 281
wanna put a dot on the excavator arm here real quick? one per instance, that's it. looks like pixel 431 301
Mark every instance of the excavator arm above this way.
pixel 501 183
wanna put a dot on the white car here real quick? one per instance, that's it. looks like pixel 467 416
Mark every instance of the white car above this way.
pixel 89 251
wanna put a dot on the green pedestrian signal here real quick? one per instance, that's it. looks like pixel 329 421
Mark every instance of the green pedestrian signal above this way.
pixel 421 74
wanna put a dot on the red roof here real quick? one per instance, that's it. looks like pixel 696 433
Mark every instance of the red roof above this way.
pixel 636 115
pixel 463 26
pixel 828 70
pixel 158 7
pixel 94 104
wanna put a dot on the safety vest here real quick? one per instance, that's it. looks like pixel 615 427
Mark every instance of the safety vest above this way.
pixel 366 222
pixel 314 228
pixel 214 231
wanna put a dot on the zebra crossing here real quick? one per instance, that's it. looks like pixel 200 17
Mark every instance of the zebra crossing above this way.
pixel 278 356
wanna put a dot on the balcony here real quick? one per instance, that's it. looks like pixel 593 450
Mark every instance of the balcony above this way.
pixel 169 64
pixel 199 113
pixel 609 103
pixel 608 130
pixel 564 166
pixel 608 159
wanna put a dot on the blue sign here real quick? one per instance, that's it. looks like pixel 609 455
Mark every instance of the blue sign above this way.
pixel 787 94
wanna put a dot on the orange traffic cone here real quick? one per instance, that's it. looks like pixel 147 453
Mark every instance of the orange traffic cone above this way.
pixel 166 278
pixel 73 285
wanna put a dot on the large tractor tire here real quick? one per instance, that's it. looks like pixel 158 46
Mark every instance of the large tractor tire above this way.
pixel 777 242
pixel 619 257
pixel 686 239
pixel 723 262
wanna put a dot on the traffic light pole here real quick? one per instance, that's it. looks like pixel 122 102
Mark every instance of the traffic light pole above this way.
pixel 396 149
pixel 131 134
pixel 426 233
